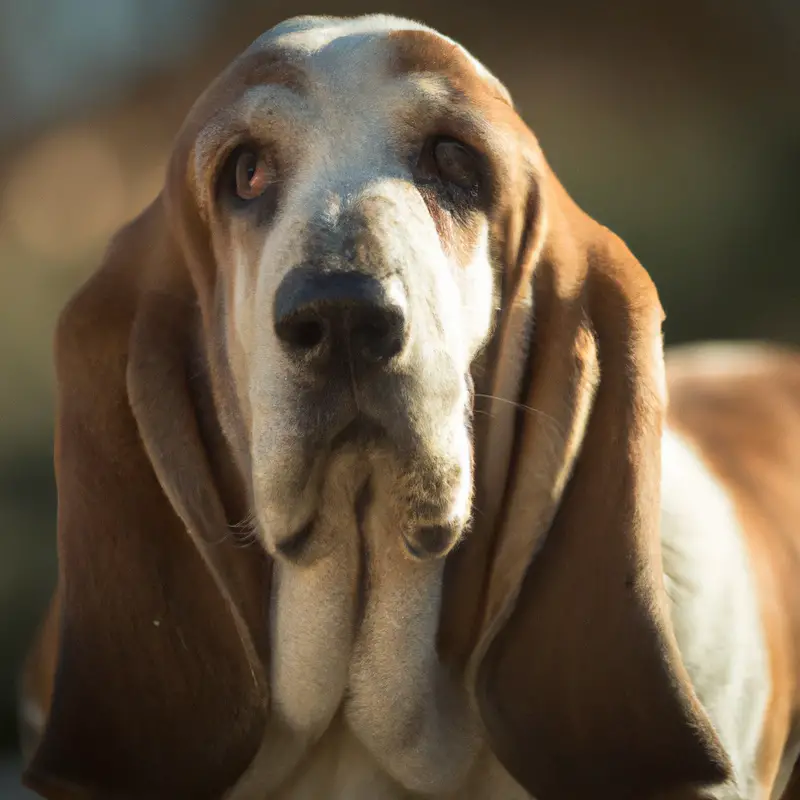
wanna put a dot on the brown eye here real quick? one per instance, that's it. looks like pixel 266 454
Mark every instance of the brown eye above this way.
pixel 455 163
pixel 253 174
pixel 454 170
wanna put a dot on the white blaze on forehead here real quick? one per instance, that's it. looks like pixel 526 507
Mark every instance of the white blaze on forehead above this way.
pixel 309 35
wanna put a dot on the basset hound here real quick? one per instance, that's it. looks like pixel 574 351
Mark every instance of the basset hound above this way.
pixel 368 485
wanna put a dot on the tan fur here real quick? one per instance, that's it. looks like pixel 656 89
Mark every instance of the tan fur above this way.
pixel 741 405
pixel 238 613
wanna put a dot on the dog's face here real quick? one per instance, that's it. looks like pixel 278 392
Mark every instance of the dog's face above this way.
pixel 349 186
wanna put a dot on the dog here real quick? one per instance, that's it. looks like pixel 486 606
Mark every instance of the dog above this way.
pixel 373 482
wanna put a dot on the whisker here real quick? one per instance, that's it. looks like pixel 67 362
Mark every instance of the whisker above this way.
pixel 248 523
pixel 243 533
pixel 522 407
pixel 246 531
pixel 478 511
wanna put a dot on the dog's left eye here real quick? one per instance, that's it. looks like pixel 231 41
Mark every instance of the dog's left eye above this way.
pixel 450 162
pixel 456 163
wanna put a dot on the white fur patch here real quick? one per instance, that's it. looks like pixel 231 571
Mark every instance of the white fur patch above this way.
pixel 714 605
pixel 310 34
pixel 415 721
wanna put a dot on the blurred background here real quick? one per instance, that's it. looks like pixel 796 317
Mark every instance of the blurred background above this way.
pixel 676 124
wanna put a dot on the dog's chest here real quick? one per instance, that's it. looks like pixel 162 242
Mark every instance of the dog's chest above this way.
pixel 340 768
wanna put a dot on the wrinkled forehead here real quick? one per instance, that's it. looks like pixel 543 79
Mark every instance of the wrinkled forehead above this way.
pixel 385 44
pixel 370 61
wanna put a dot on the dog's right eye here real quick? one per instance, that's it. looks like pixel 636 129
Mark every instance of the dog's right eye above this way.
pixel 252 175
pixel 248 173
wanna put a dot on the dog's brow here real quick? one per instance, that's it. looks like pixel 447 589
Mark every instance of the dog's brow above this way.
pixel 239 116
pixel 421 51
pixel 274 66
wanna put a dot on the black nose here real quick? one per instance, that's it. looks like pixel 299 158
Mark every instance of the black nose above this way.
pixel 322 315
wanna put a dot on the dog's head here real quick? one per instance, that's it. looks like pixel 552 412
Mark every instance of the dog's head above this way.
pixel 351 177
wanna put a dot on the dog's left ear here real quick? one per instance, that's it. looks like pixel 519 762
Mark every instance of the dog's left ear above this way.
pixel 576 670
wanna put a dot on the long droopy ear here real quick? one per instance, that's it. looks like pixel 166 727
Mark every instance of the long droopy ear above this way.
pixel 158 688
pixel 576 669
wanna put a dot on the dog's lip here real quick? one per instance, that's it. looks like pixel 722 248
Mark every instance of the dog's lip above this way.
pixel 295 546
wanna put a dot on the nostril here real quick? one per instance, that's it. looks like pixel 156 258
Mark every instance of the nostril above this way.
pixel 308 333
pixel 324 318
pixel 378 334
pixel 302 332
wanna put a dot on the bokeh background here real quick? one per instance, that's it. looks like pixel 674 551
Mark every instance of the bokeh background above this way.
pixel 675 123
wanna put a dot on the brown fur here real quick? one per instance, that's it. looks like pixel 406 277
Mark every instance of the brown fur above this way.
pixel 160 627
pixel 579 657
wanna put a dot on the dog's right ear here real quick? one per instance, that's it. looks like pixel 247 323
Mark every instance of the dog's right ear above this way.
pixel 158 690
pixel 576 670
